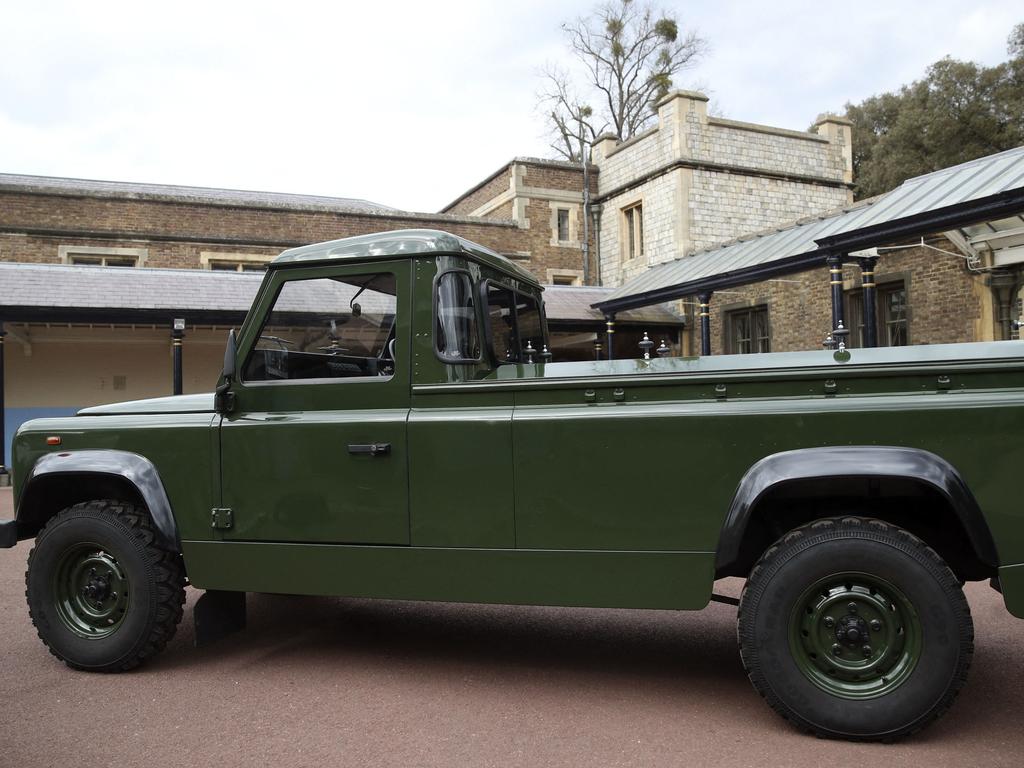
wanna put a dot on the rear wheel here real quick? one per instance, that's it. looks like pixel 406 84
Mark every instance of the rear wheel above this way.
pixel 102 594
pixel 853 628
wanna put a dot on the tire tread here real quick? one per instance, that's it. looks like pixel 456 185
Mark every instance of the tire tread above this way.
pixel 168 575
pixel 801 538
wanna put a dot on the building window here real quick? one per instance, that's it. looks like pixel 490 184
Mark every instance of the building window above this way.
pixel 633 231
pixel 565 277
pixel 564 219
pixel 747 331
pixel 234 262
pixel 563 224
pixel 236 266
pixel 98 256
pixel 890 315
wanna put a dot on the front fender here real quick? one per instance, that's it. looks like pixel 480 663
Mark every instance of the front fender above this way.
pixel 854 461
pixel 131 468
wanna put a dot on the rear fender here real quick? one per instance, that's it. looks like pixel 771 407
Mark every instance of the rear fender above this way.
pixel 868 461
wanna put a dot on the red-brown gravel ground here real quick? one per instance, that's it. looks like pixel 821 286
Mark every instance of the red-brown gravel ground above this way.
pixel 337 682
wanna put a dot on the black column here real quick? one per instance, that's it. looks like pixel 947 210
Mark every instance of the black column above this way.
pixel 704 300
pixel 609 323
pixel 867 273
pixel 835 281
pixel 4 478
pixel 177 334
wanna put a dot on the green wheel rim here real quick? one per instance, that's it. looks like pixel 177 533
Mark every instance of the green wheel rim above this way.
pixel 90 591
pixel 855 636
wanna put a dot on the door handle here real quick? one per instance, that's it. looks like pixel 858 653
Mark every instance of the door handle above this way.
pixel 371 449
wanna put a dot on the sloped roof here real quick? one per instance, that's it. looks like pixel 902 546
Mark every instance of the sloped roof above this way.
pixel 129 288
pixel 169 192
pixel 400 244
pixel 792 245
pixel 574 302
pixel 165 292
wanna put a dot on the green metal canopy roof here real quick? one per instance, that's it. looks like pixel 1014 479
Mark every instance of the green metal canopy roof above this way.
pixel 401 243
pixel 981 190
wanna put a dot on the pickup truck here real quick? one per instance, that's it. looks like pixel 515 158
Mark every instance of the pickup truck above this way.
pixel 389 424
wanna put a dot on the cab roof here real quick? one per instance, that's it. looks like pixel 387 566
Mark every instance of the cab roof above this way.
pixel 401 244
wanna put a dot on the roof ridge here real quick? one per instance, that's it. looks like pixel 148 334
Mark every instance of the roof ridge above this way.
pixel 125 270
pixel 172 190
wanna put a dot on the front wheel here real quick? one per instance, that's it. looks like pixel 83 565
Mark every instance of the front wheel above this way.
pixel 852 628
pixel 103 595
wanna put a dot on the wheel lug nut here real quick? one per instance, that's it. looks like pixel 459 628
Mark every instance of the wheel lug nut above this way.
pixel 851 607
pixel 876 625
pixel 867 650
pixel 829 621
pixel 837 649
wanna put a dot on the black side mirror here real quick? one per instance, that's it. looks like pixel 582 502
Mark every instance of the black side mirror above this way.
pixel 223 398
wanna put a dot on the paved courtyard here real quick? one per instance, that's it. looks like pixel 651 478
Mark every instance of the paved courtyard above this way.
pixel 337 682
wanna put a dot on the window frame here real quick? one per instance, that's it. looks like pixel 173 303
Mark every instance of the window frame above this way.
pixel 488 331
pixel 729 317
pixel 237 260
pixel 558 225
pixel 481 331
pixel 633 245
pixel 323 380
pixel 68 253
pixel 853 311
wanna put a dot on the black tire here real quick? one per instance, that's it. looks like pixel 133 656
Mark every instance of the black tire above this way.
pixel 788 611
pixel 111 631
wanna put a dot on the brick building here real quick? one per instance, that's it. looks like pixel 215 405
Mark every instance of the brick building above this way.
pixel 544 199
pixel 93 273
pixel 660 203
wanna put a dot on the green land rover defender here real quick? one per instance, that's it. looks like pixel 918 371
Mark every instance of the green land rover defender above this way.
pixel 389 423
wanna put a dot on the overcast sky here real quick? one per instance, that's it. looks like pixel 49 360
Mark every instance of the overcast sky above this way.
pixel 404 103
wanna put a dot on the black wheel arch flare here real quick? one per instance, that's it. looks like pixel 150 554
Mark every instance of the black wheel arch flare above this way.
pixel 858 461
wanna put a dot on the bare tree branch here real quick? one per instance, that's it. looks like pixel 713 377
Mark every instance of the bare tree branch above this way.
pixel 629 51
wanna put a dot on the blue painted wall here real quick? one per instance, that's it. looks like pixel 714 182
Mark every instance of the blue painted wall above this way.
pixel 15 417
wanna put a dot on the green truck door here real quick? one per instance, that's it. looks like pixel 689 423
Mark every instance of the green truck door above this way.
pixel 315 448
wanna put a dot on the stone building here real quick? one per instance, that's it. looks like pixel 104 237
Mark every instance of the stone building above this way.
pixel 689 182
pixel 694 180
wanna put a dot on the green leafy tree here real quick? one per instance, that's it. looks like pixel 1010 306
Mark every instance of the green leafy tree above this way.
pixel 958 112
pixel 628 52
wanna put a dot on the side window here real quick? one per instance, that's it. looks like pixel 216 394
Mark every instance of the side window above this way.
pixel 514 321
pixel 531 329
pixel 327 328
pixel 501 322
pixel 456 335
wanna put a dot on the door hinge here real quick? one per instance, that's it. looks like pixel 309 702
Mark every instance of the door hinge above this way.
pixel 222 519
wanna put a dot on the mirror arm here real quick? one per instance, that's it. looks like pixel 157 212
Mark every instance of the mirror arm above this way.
pixel 223 397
